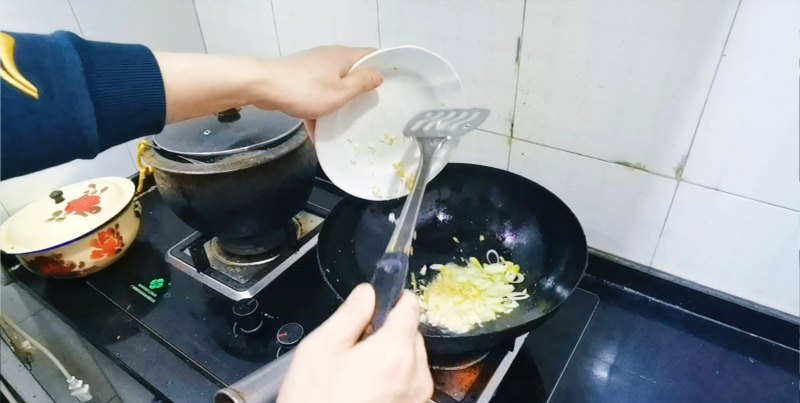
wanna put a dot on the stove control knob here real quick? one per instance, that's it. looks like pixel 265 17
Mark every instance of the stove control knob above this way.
pixel 247 318
pixel 290 334
pixel 245 307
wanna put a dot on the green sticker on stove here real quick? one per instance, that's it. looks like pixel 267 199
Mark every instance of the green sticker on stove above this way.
pixel 156 283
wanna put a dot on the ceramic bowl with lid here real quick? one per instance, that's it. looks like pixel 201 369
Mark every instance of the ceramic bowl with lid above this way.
pixel 79 230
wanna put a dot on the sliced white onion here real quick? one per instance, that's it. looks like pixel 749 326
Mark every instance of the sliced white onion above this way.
pixel 490 253
pixel 461 298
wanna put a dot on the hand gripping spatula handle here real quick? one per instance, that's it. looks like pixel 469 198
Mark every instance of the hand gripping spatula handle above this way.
pixel 430 130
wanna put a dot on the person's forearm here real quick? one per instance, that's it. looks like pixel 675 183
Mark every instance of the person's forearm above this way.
pixel 88 96
pixel 199 84
pixel 304 85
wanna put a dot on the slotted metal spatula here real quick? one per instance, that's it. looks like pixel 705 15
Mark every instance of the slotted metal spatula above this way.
pixel 430 130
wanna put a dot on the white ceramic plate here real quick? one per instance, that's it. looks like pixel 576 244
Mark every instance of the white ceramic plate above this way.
pixel 361 146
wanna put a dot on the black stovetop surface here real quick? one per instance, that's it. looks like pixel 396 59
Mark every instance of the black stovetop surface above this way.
pixel 176 335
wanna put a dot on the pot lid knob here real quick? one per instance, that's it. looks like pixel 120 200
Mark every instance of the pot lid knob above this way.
pixel 229 115
pixel 57 196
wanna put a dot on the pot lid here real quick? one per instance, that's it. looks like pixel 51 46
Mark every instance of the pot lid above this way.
pixel 227 132
pixel 68 214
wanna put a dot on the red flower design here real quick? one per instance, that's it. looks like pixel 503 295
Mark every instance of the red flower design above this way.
pixel 108 242
pixel 53 265
pixel 84 204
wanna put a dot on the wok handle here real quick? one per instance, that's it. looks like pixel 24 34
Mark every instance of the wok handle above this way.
pixel 388 281
pixel 261 386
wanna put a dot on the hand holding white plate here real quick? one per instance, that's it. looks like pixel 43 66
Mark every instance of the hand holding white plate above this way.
pixel 361 146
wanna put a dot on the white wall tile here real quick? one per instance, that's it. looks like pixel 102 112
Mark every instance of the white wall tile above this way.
pixel 621 209
pixel 169 26
pixel 478 37
pixel 735 245
pixel 15 193
pixel 37 16
pixel 483 148
pixel 304 24
pixel 747 142
pixel 621 80
pixel 238 27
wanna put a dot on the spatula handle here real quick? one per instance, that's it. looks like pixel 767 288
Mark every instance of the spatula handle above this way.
pixel 388 281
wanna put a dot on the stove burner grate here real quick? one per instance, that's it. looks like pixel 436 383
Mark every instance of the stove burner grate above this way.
pixel 237 276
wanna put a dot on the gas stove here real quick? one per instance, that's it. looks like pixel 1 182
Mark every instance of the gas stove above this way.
pixel 239 277
pixel 227 318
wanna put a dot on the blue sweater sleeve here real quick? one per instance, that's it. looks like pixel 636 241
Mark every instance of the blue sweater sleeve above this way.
pixel 91 96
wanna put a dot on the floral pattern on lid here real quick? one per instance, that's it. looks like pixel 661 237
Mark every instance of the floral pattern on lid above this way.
pixel 80 208
pixel 86 204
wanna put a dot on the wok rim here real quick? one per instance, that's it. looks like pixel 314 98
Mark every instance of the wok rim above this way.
pixel 479 331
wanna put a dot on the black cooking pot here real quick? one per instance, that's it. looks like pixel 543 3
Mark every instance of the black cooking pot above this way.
pixel 240 175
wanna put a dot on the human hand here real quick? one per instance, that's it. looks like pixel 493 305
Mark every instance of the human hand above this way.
pixel 332 365
pixel 314 82
pixel 305 85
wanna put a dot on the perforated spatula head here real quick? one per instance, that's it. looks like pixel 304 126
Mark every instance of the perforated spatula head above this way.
pixel 445 122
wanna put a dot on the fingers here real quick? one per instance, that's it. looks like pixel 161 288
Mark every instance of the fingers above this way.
pixel 311 127
pixel 425 384
pixel 349 57
pixel 345 326
pixel 420 353
pixel 403 320
pixel 360 81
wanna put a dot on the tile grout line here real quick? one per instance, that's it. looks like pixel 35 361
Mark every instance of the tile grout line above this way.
pixel 275 27
pixel 378 16
pixel 518 65
pixel 199 26
pixel 664 224
pixel 696 129
pixel 592 157
pixel 654 174
pixel 742 196
pixel 488 132
pixel 75 16
pixel 711 85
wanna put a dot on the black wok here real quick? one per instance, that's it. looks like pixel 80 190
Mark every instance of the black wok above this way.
pixel 521 220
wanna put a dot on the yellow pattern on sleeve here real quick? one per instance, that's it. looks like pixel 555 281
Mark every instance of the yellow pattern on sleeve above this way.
pixel 9 72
